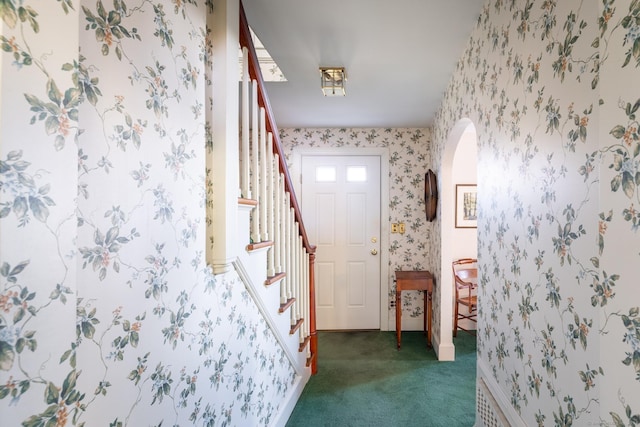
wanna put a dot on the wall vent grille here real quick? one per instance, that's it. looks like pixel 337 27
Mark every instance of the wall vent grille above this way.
pixel 488 413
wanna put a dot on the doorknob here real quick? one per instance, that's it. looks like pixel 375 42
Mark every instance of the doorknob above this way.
pixel 374 252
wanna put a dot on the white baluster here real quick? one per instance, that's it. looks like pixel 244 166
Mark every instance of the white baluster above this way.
pixel 309 308
pixel 262 177
pixel 305 290
pixel 291 263
pixel 282 242
pixel 287 248
pixel 288 265
pixel 270 206
pixel 244 148
pixel 298 269
pixel 294 267
pixel 255 214
pixel 303 296
pixel 277 221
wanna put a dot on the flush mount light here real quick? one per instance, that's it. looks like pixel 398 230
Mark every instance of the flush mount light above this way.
pixel 332 81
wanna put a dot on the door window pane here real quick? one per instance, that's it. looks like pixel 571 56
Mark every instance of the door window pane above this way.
pixel 356 173
pixel 325 174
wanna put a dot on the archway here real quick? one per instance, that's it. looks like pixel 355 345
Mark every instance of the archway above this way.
pixel 459 163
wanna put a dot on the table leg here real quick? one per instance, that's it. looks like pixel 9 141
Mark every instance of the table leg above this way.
pixel 424 326
pixel 398 319
pixel 428 296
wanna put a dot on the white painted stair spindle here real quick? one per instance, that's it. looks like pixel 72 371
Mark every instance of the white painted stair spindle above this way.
pixel 282 228
pixel 262 177
pixel 292 266
pixel 244 147
pixel 270 206
pixel 277 222
pixel 303 296
pixel 306 311
pixel 255 214
pixel 299 296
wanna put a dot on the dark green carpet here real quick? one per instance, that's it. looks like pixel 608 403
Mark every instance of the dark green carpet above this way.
pixel 364 381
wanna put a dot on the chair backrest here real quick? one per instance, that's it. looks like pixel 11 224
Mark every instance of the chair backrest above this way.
pixel 465 271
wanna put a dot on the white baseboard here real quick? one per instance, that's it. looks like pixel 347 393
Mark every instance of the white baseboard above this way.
pixel 444 352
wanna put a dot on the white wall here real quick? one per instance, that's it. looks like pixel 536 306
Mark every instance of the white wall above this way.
pixel 464 171
pixel 464 241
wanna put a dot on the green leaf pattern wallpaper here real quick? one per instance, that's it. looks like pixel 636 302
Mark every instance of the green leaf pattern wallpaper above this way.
pixel 109 314
pixel 552 89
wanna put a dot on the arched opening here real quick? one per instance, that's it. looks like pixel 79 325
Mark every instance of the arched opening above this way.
pixel 459 166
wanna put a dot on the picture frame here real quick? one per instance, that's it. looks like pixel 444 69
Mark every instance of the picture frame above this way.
pixel 466 206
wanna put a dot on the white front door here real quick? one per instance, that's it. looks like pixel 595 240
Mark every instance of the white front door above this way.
pixel 341 207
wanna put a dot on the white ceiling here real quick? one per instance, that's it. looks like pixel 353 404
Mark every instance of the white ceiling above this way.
pixel 398 55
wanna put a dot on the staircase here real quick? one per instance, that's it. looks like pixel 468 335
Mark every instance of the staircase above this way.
pixel 277 262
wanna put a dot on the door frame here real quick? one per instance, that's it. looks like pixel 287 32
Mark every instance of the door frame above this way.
pixel 295 169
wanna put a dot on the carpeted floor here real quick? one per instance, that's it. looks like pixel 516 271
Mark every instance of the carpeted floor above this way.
pixel 364 381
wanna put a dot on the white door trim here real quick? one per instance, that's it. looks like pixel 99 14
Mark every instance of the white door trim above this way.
pixel 383 153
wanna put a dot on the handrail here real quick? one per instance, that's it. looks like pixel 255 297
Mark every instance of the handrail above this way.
pixel 270 126
pixel 263 101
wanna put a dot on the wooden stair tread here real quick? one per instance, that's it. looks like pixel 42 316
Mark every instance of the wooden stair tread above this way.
pixel 259 245
pixel 247 202
pixel 275 278
pixel 284 306
pixel 304 344
pixel 296 326
pixel 311 359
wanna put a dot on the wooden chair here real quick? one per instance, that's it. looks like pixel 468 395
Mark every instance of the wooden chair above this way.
pixel 465 276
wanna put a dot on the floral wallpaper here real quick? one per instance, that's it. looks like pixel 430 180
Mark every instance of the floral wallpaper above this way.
pixel 109 314
pixel 550 87
pixel 409 155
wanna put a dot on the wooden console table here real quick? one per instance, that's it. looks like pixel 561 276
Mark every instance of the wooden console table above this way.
pixel 414 281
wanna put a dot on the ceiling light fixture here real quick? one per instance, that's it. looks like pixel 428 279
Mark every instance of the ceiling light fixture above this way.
pixel 332 80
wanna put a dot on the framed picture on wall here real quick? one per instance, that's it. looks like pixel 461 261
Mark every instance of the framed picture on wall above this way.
pixel 466 212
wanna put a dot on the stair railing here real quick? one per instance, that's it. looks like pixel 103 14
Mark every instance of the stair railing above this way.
pixel 277 219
